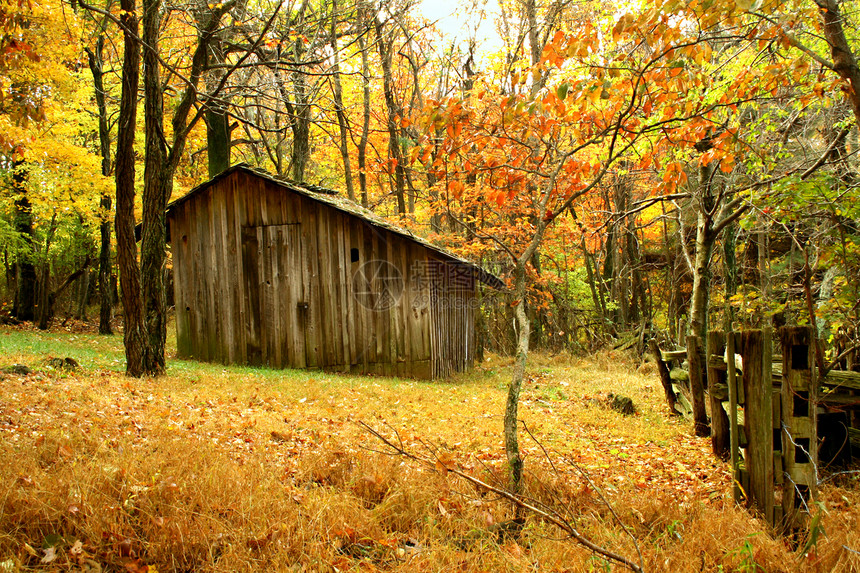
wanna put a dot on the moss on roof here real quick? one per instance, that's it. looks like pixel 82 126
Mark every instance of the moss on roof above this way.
pixel 331 198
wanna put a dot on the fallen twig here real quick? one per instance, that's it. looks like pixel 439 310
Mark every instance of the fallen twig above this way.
pixel 548 514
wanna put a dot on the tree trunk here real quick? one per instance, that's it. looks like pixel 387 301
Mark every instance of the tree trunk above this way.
pixel 338 105
pixel 217 139
pixel 512 447
pixel 83 296
pixel 157 187
pixel 96 63
pixel 392 115
pixel 45 306
pixel 105 298
pixel 844 62
pixel 135 337
pixel 705 238
pixel 300 121
pixel 27 281
pixel 365 121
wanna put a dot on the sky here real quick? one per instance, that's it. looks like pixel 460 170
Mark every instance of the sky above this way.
pixel 454 20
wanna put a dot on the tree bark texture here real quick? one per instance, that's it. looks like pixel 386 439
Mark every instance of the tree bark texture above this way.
pixel 337 91
pixel 27 280
pixel 365 119
pixel 512 447
pixel 393 113
pixel 157 187
pixel 844 62
pixel 105 299
pixel 135 337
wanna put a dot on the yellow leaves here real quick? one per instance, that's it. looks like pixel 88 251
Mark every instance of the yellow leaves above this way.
pixel 702 53
pixel 622 26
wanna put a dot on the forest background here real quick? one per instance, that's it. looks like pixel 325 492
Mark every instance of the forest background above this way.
pixel 631 170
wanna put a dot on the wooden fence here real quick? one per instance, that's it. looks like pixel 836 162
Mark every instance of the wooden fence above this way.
pixel 764 413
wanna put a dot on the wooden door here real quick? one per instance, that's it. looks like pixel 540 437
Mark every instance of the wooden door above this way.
pixel 274 298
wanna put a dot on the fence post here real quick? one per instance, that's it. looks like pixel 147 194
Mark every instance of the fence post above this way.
pixel 716 395
pixel 758 421
pixel 697 385
pixel 734 400
pixel 799 425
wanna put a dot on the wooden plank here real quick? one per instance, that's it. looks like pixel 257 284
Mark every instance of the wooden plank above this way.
pixel 268 322
pixel 372 324
pixel 834 378
pixel 251 279
pixel 799 435
pixel 312 317
pixel 695 354
pixel 380 316
pixel 198 284
pixel 716 362
pixel 758 424
pixel 340 224
pixel 295 279
pixel 734 429
pixel 182 268
pixel 404 305
pixel 394 284
pixel 680 354
pixel 237 215
pixel 232 279
pixel 359 311
pixel 720 438
pixel 211 330
pixel 348 310
pixel 220 278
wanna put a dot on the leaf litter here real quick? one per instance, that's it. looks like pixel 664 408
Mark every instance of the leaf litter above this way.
pixel 135 470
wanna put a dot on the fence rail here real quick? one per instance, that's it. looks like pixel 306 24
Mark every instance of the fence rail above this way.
pixel 764 398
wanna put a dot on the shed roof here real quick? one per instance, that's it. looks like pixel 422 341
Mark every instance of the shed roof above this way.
pixel 332 199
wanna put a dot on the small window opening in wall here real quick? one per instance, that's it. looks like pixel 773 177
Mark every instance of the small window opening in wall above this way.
pixel 353 255
pixel 801 404
pixel 799 357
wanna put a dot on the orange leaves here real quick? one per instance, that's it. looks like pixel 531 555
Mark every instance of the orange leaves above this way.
pixel 674 176
pixel 455 188
pixel 454 130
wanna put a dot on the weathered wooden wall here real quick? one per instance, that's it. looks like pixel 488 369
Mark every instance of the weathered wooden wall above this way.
pixel 267 276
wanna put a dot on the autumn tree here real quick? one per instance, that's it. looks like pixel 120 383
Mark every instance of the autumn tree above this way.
pixel 44 152
pixel 539 151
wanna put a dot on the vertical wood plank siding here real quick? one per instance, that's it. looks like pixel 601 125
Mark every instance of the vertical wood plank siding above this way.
pixel 266 276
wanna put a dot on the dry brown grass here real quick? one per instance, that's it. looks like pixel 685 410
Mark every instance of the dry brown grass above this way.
pixel 230 469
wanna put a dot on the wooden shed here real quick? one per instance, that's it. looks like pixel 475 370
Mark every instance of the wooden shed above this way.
pixel 271 272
